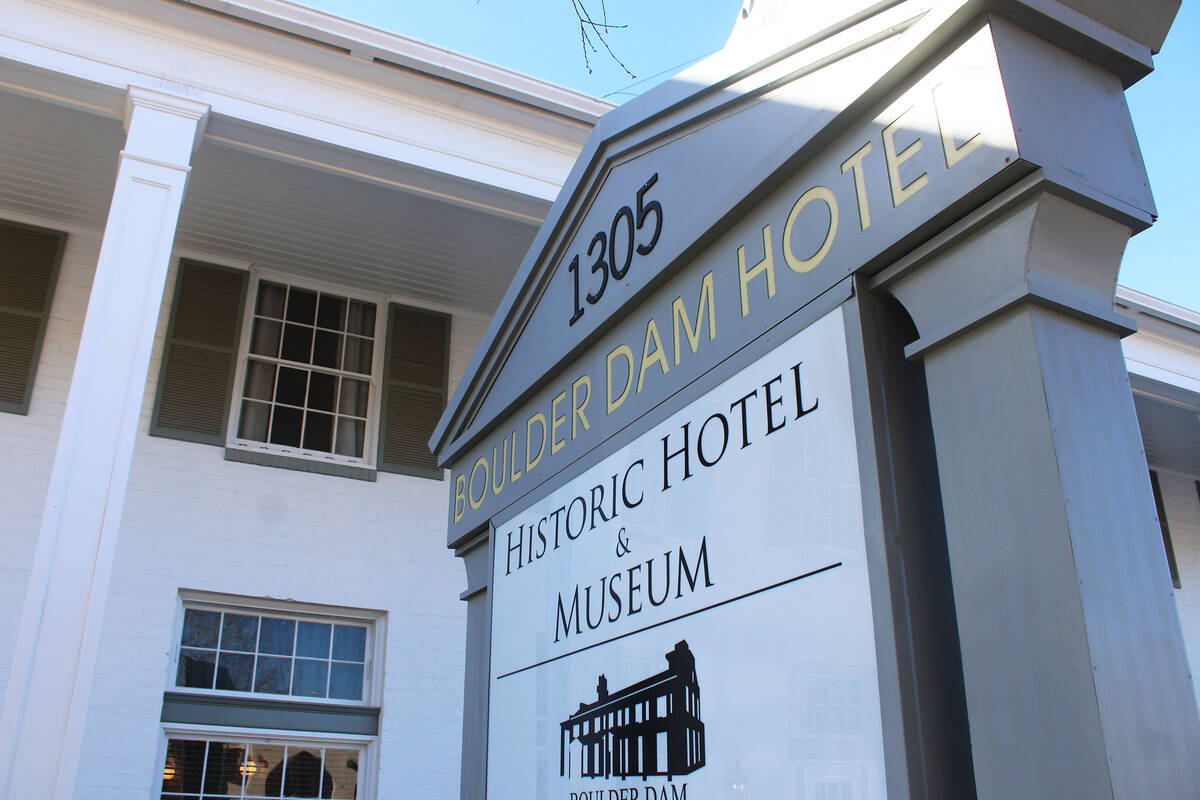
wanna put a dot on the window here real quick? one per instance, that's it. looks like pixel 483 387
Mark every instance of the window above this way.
pixel 271 699
pixel 310 381
pixel 288 374
pixel 29 260
pixel 250 767
pixel 272 654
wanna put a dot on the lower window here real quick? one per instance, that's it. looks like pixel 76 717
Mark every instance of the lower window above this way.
pixel 198 768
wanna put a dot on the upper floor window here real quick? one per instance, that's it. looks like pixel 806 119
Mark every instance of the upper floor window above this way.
pixel 267 652
pixel 310 378
pixel 285 373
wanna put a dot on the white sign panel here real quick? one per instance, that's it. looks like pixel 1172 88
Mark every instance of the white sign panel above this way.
pixel 691 618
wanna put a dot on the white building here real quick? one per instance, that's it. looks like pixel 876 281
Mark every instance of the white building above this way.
pixel 221 534
pixel 176 171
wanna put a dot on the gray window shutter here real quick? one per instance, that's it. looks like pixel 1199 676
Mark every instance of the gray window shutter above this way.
pixel 414 389
pixel 29 259
pixel 196 379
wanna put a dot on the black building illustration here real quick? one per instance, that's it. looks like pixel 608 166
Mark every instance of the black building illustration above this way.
pixel 651 727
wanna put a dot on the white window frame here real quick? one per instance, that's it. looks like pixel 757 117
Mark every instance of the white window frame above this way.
pixel 371 439
pixel 376 622
pixel 368 765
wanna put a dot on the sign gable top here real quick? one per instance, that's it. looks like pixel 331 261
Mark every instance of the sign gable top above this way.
pixel 876 49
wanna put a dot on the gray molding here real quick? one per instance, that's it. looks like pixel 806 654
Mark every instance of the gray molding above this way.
pixel 926 735
pixel 300 464
pixel 252 712
pixel 1071 650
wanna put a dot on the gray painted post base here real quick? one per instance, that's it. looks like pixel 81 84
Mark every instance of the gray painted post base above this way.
pixel 1075 675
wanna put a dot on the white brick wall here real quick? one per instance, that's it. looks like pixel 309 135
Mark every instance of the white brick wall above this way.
pixel 1183 519
pixel 194 520
pixel 28 442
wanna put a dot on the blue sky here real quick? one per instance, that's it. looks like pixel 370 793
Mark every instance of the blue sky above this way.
pixel 541 38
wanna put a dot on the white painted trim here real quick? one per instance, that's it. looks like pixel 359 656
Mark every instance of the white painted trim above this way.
pixel 375 380
pixel 365 41
pixel 1142 303
pixel 527 155
pixel 215 601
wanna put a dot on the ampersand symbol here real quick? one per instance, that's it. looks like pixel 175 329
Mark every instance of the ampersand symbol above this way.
pixel 622 543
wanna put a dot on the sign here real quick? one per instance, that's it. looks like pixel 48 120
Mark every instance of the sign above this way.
pixel 690 617
pixel 877 182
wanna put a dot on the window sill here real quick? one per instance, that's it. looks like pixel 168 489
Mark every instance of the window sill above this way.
pixel 290 715
pixel 300 464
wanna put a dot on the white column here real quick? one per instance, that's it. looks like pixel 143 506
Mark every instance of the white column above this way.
pixel 41 729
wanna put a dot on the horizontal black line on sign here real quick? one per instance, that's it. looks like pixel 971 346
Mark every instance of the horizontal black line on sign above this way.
pixel 674 619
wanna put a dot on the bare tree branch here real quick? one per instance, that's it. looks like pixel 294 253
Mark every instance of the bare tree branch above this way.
pixel 592 31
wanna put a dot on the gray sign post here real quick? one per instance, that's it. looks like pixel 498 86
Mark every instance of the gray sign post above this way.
pixel 890 237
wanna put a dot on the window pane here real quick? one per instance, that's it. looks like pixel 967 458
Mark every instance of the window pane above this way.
pixel 240 632
pixel 196 668
pixel 302 306
pixel 327 349
pixel 291 387
pixel 341 774
pixel 309 678
pixel 361 319
pixel 265 778
pixel 303 778
pixel 183 766
pixel 260 380
pixel 270 300
pixel 234 671
pixel 297 343
pixel 200 628
pixel 322 391
pixel 345 681
pixel 318 432
pixel 223 775
pixel 273 675
pixel 312 640
pixel 285 426
pixel 265 339
pixel 349 642
pixel 256 417
pixel 277 636
pixel 351 435
pixel 331 312
pixel 353 400
pixel 358 355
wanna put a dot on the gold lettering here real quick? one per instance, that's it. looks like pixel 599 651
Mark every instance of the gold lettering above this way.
pixel 659 357
pixel 479 462
pixel 514 473
pixel 540 419
pixel 502 472
pixel 953 154
pixel 679 314
pixel 855 163
pixel 460 496
pixel 900 191
pixel 802 265
pixel 556 444
pixel 620 350
pixel 577 408
pixel 767 264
